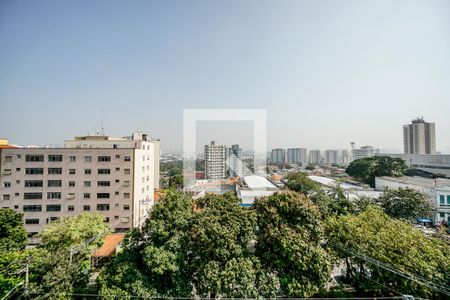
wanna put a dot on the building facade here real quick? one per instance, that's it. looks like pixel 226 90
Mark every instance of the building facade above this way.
pixel 315 157
pixel 116 177
pixel 278 156
pixel 431 163
pixel 419 137
pixel 297 155
pixel 234 156
pixel 215 161
pixel 437 189
pixel 331 157
pixel 364 151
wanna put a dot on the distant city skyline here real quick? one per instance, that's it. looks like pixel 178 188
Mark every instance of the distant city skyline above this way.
pixel 327 72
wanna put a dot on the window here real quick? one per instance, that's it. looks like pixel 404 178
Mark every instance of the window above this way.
pixel 87 171
pixel 6 196
pixel 17 169
pixel 117 193
pixel 15 207
pixel 126 207
pixel 32 208
pixel 102 206
pixel 127 158
pixel 7 172
pixel 88 158
pixel 117 155
pixel 87 195
pixel 19 156
pixel 126 171
pixel 448 199
pixel 102 195
pixel 53 195
pixel 54 170
pixel 70 196
pixel 116 204
pixel 117 169
pixel 32 196
pixel 116 217
pixel 54 183
pixel 31 221
pixel 34 183
pixel 17 181
pixel 87 183
pixel 34 158
pixel 71 208
pixel 104 158
pixel 16 194
pixel 8 158
pixel 106 220
pixel 104 171
pixel 52 157
pixel 126 195
pixel 53 207
pixel 6 184
pixel 103 183
pixel 86 207
pixel 72 158
pixel 442 215
pixel 71 183
pixel 117 180
pixel 34 171
pixel 71 171
pixel 441 199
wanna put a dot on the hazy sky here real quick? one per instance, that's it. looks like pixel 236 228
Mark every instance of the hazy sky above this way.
pixel 328 72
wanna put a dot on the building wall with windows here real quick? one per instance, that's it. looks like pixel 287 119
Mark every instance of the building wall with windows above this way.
pixel 48 183
pixel 437 189
pixel 278 156
pixel 215 161
pixel 297 155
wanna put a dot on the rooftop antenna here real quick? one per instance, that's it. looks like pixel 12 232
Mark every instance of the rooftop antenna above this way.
pixel 102 130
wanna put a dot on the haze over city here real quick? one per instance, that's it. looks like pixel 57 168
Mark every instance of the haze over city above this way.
pixel 328 72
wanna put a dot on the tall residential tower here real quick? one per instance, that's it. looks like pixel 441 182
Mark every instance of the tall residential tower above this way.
pixel 419 137
pixel 215 161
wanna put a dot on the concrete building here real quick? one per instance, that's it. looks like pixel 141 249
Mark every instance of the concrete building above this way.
pixel 215 161
pixel 437 189
pixel 116 177
pixel 252 187
pixel 331 157
pixel 278 156
pixel 315 157
pixel 419 137
pixel 297 156
pixel 234 156
pixel 432 163
pixel 364 151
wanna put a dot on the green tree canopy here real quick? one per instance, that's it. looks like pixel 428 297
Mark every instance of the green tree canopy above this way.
pixel 406 203
pixel 373 235
pixel 12 232
pixel 289 239
pixel 300 182
pixel 366 169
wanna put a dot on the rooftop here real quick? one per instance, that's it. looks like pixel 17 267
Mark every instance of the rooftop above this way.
pixel 258 182
pixel 419 181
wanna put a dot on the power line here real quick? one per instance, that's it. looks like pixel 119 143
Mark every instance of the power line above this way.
pixel 415 278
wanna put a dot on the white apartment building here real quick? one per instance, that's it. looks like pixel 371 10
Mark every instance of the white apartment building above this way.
pixel 437 189
pixel 116 177
pixel 331 157
pixel 234 156
pixel 278 156
pixel 364 151
pixel 315 157
pixel 215 161
pixel 297 155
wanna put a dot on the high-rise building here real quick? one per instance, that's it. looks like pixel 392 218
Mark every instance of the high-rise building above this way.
pixel 215 161
pixel 419 137
pixel 331 156
pixel 278 156
pixel 297 155
pixel 315 157
pixel 234 155
pixel 116 177
pixel 365 151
